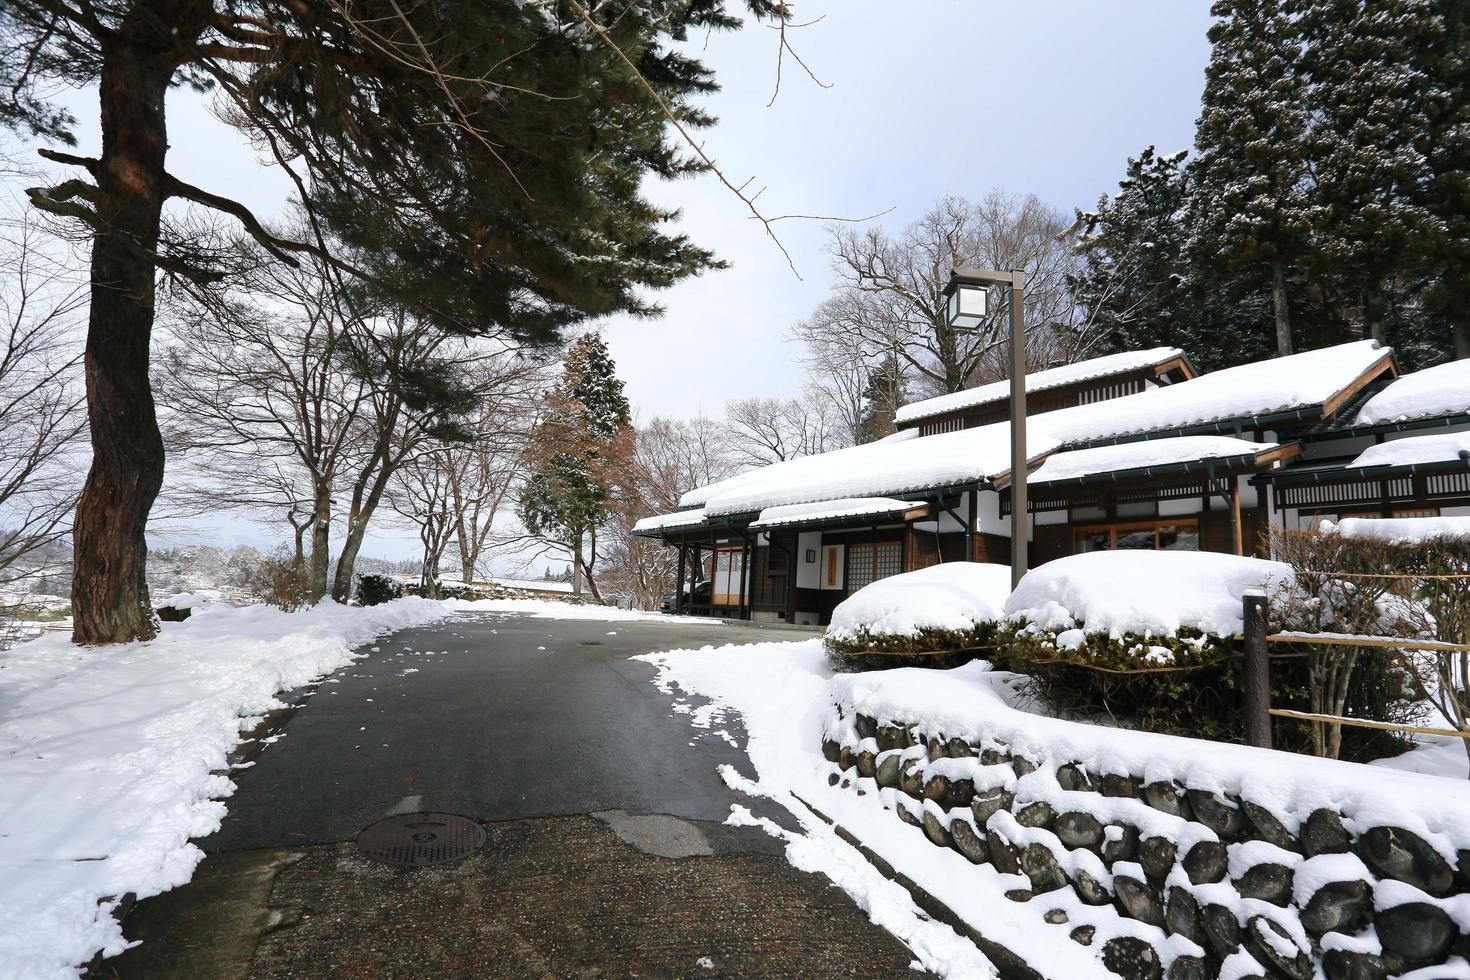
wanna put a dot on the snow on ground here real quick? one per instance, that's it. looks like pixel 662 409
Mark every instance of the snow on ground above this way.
pixel 779 691
pixel 1440 390
pixel 109 755
pixel 951 596
pixel 785 694
pixel 553 609
pixel 1142 592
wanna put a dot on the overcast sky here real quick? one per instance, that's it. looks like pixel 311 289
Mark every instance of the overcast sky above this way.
pixel 926 98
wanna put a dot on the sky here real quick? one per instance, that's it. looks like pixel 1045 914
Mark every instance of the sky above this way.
pixel 918 100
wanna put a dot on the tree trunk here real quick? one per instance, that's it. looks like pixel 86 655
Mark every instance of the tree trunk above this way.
pixel 577 565
pixel 1375 314
pixel 1462 351
pixel 321 540
pixel 1282 310
pixel 109 584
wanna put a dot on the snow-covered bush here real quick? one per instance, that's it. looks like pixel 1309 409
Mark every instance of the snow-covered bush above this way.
pixel 944 609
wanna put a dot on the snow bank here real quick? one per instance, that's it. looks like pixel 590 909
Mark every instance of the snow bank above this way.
pixel 109 755
pixel 1096 367
pixel 1140 455
pixel 954 596
pixel 1440 390
pixel 1141 592
pixel 554 609
pixel 1442 447
pixel 1404 530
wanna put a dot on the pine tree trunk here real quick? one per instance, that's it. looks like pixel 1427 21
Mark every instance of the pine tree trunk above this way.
pixel 109 584
pixel 577 565
pixel 1282 310
pixel 1375 314
pixel 1462 351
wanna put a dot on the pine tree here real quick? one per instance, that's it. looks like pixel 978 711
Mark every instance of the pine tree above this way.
pixel 1132 278
pixel 580 453
pixel 1249 209
pixel 1366 93
pixel 884 395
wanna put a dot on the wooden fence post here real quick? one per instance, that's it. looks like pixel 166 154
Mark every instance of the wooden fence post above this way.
pixel 1257 669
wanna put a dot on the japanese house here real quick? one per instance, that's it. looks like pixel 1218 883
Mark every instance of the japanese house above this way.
pixel 1132 450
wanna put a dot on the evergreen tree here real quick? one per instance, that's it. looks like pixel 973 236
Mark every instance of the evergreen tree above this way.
pixel 1249 209
pixel 580 453
pixel 481 160
pixel 1367 95
pixel 1132 279
pixel 883 396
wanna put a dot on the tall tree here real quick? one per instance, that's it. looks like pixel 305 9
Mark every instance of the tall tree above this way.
pixel 1250 207
pixel 483 157
pixel 579 452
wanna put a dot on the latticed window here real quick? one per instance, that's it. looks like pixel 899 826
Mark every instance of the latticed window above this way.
pixel 870 562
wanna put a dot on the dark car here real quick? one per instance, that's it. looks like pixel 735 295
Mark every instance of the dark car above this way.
pixel 703 591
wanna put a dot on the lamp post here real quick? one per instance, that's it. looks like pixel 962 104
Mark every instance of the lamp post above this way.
pixel 965 298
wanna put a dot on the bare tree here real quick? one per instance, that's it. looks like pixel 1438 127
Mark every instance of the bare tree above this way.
pixel 42 312
pixel 769 430
pixel 888 301
pixel 420 493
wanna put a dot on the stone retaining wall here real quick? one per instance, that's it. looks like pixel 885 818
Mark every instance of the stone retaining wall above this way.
pixel 1168 880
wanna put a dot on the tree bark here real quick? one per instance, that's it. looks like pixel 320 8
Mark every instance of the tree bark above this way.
pixel 1462 351
pixel 1375 314
pixel 321 542
pixel 577 565
pixel 1282 310
pixel 109 584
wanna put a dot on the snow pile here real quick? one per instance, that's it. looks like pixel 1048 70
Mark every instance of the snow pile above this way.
pixel 1440 390
pixel 956 596
pixel 1438 448
pixel 109 759
pixel 1097 367
pixel 1142 455
pixel 1141 592
pixel 1402 530
pixel 832 510
pixel 680 518
pixel 554 609
pixel 185 600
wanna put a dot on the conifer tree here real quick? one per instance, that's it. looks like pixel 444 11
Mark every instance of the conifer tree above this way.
pixel 1249 209
pixel 580 452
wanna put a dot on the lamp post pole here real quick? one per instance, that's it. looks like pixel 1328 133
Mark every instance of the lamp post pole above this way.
pixel 965 302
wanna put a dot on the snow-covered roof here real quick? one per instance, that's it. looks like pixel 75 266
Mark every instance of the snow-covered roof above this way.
pixel 1402 530
pixel 1442 447
pixel 1097 367
pixel 1142 455
pixel 1299 382
pixel 1440 390
pixel 878 469
pixel 679 518
pixel 832 510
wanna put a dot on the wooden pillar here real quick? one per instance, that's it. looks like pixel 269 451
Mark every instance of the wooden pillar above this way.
pixel 679 582
pixel 743 610
pixel 1235 523
pixel 1257 668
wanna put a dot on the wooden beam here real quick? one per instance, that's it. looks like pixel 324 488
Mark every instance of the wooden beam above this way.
pixel 1382 726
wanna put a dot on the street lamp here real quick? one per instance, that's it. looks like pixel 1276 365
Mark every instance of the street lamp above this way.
pixel 965 305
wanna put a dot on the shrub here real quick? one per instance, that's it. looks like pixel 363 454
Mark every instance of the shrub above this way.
pixel 862 649
pixel 373 590
pixel 282 580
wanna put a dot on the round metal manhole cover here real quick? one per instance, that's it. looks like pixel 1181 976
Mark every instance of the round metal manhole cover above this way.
pixel 419 840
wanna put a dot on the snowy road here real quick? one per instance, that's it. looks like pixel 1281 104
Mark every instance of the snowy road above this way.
pixel 491 716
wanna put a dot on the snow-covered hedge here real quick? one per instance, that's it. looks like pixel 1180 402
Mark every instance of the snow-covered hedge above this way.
pixel 953 606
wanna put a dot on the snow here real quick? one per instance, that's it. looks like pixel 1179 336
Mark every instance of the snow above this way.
pixel 531 584
pixel 1142 592
pixel 1404 530
pixel 111 759
pixel 1097 367
pixel 952 596
pixel 877 469
pixel 680 518
pixel 185 600
pixel 1140 455
pixel 553 609
pixel 1283 384
pixel 1440 390
pixel 1441 447
pixel 832 510
pixel 786 693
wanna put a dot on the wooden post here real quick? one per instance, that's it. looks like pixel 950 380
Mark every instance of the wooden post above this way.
pixel 1257 668
pixel 1235 515
pixel 674 608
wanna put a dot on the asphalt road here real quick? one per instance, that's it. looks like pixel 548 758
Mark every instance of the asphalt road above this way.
pixel 495 717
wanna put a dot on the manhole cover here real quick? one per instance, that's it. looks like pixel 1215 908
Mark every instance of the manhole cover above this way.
pixel 417 840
